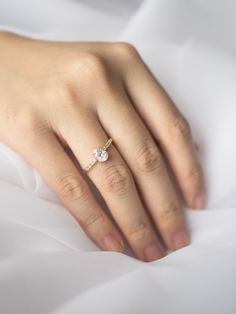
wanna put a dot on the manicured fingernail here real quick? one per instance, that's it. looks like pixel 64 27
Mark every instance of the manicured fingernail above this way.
pixel 180 239
pixel 111 244
pixel 153 252
pixel 200 200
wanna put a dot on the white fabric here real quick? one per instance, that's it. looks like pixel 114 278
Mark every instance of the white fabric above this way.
pixel 48 264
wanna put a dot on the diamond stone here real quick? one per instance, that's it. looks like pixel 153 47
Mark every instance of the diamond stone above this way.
pixel 100 154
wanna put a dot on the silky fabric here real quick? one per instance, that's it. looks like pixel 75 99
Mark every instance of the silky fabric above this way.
pixel 47 262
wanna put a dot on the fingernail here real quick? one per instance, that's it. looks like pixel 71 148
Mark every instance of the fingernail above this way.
pixel 111 244
pixel 180 239
pixel 200 200
pixel 153 252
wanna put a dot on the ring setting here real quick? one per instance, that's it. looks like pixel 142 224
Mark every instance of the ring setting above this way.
pixel 100 154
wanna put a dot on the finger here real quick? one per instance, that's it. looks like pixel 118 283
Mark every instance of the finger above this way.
pixel 172 131
pixel 115 182
pixel 146 163
pixel 50 159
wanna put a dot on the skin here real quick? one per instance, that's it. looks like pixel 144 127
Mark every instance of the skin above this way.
pixel 76 95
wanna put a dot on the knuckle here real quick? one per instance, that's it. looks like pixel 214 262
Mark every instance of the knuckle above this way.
pixel 71 188
pixel 94 63
pixel 90 71
pixel 92 66
pixel 195 175
pixel 148 158
pixel 180 126
pixel 169 211
pixel 117 179
pixel 65 94
pixel 66 102
pixel 93 218
pixel 127 50
pixel 138 230
pixel 60 95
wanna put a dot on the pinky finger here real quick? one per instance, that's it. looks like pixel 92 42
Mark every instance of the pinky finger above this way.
pixel 58 170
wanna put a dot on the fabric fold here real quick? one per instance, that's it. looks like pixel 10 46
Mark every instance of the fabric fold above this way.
pixel 47 262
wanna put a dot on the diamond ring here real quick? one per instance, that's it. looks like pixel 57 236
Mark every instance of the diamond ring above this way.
pixel 100 154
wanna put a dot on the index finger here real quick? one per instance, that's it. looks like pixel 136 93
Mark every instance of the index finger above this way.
pixel 172 131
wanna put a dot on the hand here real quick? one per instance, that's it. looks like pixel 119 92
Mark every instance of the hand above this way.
pixel 76 95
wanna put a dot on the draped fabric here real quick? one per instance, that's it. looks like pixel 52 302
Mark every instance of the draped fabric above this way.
pixel 47 262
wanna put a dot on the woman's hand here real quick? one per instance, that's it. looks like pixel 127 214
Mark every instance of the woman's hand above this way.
pixel 58 95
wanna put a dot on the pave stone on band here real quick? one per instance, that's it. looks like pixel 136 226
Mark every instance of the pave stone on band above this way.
pixel 100 154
